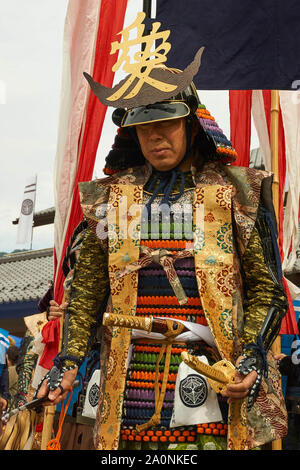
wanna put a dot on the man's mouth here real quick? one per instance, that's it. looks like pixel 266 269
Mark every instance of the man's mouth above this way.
pixel 159 150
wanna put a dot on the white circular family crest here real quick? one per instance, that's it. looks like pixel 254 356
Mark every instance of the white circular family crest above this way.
pixel 193 391
pixel 94 395
pixel 27 206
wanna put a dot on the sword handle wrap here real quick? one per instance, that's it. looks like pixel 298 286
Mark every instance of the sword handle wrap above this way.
pixel 218 376
pixel 128 321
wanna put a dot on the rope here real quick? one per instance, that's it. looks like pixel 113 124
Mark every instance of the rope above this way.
pixel 166 347
pixel 54 444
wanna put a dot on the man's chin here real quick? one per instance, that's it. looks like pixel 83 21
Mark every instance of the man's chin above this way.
pixel 164 166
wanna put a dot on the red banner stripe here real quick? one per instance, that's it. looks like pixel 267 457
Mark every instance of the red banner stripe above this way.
pixel 95 114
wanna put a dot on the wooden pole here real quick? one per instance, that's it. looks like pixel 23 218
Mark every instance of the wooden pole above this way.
pixel 147 7
pixel 50 410
pixel 276 348
pixel 274 147
pixel 47 426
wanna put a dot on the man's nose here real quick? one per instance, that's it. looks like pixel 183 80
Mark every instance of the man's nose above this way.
pixel 155 131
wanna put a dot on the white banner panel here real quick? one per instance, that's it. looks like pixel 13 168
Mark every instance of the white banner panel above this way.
pixel 27 209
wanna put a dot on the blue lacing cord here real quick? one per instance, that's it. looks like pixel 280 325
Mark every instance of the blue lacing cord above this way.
pixel 175 197
pixel 259 347
pixel 58 360
pixel 162 178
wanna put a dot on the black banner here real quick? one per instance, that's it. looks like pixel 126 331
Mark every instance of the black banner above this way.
pixel 248 44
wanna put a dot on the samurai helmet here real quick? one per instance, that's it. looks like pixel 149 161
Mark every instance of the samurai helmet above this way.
pixel 181 105
pixel 150 103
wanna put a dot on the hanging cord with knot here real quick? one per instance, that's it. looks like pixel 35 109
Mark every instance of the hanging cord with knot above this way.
pixel 54 444
pixel 174 329
pixel 260 350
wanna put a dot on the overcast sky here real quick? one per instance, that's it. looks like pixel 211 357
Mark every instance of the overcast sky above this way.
pixel 31 35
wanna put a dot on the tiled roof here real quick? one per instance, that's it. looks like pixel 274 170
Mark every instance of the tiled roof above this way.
pixel 25 276
pixel 43 217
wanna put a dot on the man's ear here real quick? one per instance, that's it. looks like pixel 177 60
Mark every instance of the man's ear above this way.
pixel 195 128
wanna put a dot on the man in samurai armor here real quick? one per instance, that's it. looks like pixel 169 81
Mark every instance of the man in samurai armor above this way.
pixel 184 244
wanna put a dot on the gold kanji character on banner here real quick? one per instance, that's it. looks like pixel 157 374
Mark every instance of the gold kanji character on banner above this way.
pixel 145 60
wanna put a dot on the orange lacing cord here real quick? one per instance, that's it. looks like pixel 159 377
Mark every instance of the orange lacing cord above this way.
pixel 54 444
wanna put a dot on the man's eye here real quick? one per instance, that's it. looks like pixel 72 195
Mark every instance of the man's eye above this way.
pixel 168 123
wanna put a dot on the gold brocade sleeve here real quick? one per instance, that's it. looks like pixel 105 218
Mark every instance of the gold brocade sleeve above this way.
pixel 263 286
pixel 88 290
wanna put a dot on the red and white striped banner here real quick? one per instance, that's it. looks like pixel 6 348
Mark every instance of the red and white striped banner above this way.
pixel 90 27
pixel 81 26
pixel 258 102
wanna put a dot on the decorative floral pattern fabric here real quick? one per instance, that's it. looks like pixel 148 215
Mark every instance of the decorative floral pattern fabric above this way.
pixel 124 298
pixel 217 182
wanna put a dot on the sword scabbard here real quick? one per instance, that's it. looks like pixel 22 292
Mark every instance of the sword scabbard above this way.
pixel 128 321
pixel 149 324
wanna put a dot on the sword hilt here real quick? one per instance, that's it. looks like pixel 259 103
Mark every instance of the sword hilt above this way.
pixel 128 321
pixel 218 376
pixel 149 324
pixel 32 405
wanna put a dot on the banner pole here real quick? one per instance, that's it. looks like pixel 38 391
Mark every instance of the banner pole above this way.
pixel 49 412
pixel 274 148
pixel 31 237
pixel 147 8
pixel 276 348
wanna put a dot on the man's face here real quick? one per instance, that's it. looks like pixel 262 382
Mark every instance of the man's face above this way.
pixel 163 143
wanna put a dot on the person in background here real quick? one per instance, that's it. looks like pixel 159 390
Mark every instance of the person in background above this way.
pixel 4 389
pixel 77 431
pixel 289 366
pixel 5 342
pixel 12 355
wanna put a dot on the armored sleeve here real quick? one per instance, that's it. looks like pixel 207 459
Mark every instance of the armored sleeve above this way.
pixel 25 366
pixel 88 290
pixel 265 302
pixel 264 291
